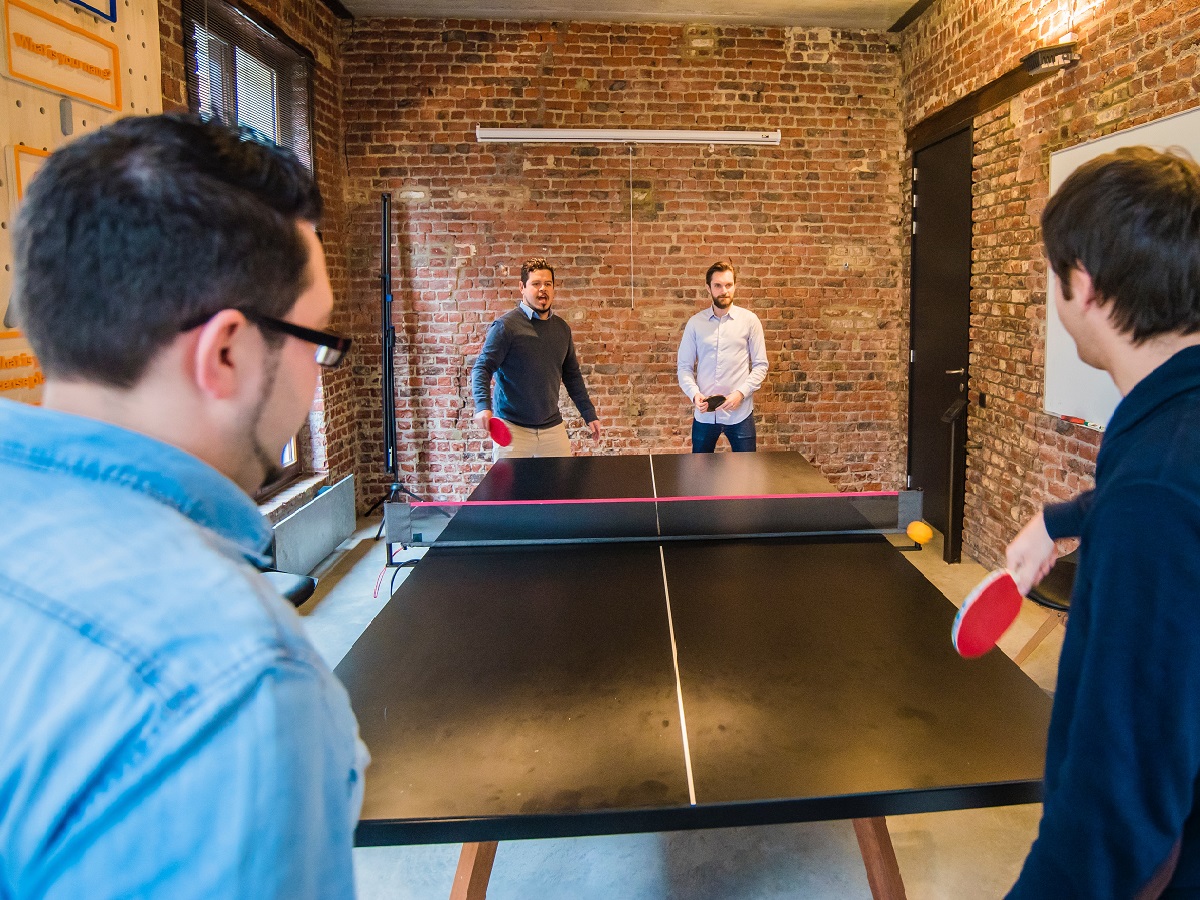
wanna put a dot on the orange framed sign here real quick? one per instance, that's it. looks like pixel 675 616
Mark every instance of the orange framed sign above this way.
pixel 62 57
pixel 26 162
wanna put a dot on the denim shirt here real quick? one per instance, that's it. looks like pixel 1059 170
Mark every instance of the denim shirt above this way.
pixel 166 729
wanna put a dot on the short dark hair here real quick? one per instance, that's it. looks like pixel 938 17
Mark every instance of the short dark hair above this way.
pixel 722 266
pixel 534 264
pixel 129 233
pixel 1131 220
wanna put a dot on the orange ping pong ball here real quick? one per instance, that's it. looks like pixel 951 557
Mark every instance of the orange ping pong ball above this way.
pixel 919 532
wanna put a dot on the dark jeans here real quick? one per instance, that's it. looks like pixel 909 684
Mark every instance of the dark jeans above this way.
pixel 742 436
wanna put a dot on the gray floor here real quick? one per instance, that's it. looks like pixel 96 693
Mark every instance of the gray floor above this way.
pixel 948 856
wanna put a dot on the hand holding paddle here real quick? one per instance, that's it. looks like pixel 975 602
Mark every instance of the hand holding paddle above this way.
pixel 992 607
pixel 1031 554
pixel 497 429
pixel 986 614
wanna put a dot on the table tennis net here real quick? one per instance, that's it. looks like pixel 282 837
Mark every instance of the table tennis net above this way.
pixel 521 522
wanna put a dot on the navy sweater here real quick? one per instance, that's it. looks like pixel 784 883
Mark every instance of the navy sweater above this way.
pixel 1123 755
pixel 529 358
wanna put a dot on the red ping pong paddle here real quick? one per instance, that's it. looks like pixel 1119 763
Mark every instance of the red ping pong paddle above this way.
pixel 986 614
pixel 499 431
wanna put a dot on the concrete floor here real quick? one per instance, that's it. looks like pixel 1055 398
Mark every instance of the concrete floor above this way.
pixel 942 856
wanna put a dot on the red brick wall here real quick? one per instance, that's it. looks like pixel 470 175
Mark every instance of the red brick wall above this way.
pixel 1139 62
pixel 310 24
pixel 817 226
pixel 814 226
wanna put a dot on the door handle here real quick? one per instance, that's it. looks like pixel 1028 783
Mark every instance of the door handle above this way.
pixel 956 371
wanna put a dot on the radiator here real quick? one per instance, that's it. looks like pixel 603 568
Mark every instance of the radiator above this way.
pixel 315 530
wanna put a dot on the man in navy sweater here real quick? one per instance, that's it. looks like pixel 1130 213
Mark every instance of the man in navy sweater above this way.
pixel 530 352
pixel 1123 756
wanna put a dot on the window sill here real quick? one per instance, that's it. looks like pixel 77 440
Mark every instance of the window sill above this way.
pixel 292 497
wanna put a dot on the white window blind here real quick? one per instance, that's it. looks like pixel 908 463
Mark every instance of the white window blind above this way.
pixel 243 74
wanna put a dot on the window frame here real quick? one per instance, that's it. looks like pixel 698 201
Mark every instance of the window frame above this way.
pixel 262 40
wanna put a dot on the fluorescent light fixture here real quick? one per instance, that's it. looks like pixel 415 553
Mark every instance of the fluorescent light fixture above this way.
pixel 621 136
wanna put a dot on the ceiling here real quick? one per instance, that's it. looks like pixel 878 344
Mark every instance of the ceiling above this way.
pixel 854 15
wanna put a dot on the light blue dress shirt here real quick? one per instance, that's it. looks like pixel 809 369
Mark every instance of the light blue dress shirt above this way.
pixel 166 729
pixel 720 355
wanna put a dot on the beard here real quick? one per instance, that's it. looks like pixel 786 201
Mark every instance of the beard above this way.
pixel 270 464
pixel 271 470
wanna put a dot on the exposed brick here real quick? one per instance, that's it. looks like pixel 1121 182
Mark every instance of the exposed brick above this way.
pixel 691 205
pixel 817 226
pixel 1021 458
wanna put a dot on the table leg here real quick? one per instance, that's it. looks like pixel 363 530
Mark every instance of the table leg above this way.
pixel 1053 620
pixel 883 872
pixel 474 870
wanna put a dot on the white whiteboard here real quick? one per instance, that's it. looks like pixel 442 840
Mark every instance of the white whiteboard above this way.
pixel 1074 388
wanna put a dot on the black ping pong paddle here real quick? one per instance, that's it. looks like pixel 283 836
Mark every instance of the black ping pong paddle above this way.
pixel 714 401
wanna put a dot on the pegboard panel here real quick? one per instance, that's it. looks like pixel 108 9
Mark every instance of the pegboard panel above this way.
pixel 36 120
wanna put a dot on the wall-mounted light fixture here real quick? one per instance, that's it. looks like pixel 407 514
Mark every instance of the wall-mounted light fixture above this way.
pixel 622 136
pixel 1051 59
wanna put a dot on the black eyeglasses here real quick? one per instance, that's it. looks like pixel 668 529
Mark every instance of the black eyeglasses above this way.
pixel 331 348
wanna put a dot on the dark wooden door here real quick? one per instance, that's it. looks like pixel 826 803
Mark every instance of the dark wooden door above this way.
pixel 941 317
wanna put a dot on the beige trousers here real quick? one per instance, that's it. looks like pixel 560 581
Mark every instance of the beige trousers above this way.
pixel 530 442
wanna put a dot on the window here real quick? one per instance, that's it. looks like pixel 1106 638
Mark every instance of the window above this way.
pixel 241 72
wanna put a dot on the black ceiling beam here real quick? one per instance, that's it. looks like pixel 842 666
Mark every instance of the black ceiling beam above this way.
pixel 911 16
pixel 962 112
pixel 335 7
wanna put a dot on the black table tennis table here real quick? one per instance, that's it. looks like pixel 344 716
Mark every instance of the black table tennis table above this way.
pixel 588 684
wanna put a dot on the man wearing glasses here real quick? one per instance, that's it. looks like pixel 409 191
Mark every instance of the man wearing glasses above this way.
pixel 167 730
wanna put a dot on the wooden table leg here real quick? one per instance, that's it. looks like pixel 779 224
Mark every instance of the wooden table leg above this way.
pixel 1052 621
pixel 474 870
pixel 883 872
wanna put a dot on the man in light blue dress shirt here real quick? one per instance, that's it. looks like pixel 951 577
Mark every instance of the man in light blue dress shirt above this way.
pixel 722 362
pixel 166 729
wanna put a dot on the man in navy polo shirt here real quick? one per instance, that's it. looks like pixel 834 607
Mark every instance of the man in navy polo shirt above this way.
pixel 1123 756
